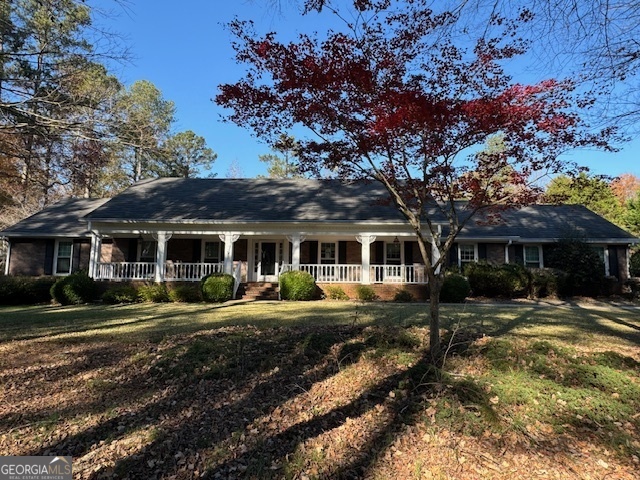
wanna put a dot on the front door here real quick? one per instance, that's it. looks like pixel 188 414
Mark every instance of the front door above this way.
pixel 268 262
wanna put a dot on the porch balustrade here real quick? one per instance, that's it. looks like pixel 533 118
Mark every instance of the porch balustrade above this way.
pixel 353 273
pixel 126 271
pixel 193 272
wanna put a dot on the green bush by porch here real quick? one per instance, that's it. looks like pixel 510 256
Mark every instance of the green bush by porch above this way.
pixel 297 285
pixel 74 289
pixel 217 287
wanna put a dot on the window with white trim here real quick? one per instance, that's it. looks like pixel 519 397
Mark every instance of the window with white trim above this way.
pixel 212 252
pixel 148 251
pixel 467 253
pixel 392 256
pixel 64 252
pixel 532 256
pixel 327 253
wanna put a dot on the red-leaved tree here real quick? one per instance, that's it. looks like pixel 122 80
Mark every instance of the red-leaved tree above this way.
pixel 397 97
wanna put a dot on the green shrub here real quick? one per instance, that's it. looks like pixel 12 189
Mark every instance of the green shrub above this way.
pixel 454 289
pixel 403 296
pixel 297 286
pixel 581 263
pixel 544 283
pixel 153 292
pixel 365 293
pixel 74 289
pixel 120 294
pixel 25 290
pixel 185 294
pixel 334 292
pixel 217 287
pixel 498 280
pixel 634 264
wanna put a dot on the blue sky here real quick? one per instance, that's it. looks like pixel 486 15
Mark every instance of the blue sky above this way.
pixel 183 48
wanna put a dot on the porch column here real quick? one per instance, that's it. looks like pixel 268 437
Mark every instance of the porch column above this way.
pixel 366 241
pixel 94 253
pixel 161 254
pixel 295 240
pixel 229 239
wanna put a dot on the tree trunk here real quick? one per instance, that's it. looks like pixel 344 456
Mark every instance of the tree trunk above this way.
pixel 435 286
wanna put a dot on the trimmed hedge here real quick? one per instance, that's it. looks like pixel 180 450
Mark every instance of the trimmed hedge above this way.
pixel 217 287
pixel 74 289
pixel 455 289
pixel 297 286
pixel 25 290
pixel 498 280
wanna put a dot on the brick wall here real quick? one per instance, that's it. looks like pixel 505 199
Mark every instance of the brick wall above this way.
pixel 383 291
pixel 27 257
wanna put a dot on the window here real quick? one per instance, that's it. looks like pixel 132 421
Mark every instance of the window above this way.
pixel 327 253
pixel 532 256
pixel 212 252
pixel 393 254
pixel 63 258
pixel 147 251
pixel 467 253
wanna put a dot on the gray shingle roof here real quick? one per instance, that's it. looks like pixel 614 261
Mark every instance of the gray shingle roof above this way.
pixel 548 221
pixel 299 200
pixel 62 219
pixel 248 200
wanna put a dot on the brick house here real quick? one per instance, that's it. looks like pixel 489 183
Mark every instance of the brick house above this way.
pixel 174 229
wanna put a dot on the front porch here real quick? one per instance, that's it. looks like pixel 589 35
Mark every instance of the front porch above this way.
pixel 166 257
pixel 192 272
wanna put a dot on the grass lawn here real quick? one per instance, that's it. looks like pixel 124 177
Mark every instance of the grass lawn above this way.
pixel 323 390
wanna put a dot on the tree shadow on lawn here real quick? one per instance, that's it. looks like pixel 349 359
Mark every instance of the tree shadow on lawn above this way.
pixel 579 319
pixel 225 403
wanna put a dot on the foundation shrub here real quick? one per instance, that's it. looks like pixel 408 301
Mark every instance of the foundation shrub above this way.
pixel 153 292
pixel 334 292
pixel 403 296
pixel 498 280
pixel 217 287
pixel 583 267
pixel 185 294
pixel 74 289
pixel 365 293
pixel 297 285
pixel 25 290
pixel 454 289
pixel 120 294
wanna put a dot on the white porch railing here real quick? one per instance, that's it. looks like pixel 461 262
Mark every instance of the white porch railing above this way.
pixel 353 273
pixel 398 274
pixel 126 271
pixel 190 272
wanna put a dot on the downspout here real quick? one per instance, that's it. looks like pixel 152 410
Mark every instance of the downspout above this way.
pixel 506 251
pixel 6 263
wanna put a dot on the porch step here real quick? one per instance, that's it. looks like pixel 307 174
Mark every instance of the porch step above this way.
pixel 258 291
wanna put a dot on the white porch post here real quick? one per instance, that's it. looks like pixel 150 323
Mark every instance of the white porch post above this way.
pixel 295 240
pixel 161 254
pixel 365 241
pixel 94 253
pixel 229 239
